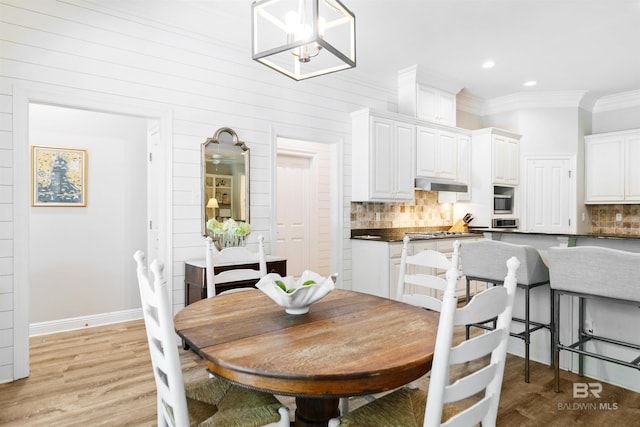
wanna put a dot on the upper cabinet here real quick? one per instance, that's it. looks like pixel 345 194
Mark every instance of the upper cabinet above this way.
pixel 436 105
pixel 611 172
pixel 496 156
pixel 436 153
pixel 383 157
pixel 425 95
pixel 506 160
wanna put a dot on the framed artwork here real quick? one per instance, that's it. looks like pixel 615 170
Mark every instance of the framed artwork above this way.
pixel 58 176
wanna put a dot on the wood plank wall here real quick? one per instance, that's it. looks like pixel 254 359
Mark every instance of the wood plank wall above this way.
pixel 182 57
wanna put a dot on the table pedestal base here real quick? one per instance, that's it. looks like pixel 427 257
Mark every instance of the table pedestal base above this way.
pixel 315 411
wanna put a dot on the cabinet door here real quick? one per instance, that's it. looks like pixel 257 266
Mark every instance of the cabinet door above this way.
pixel 436 154
pixel 382 153
pixel 403 168
pixel 506 161
pixel 447 155
pixel 464 166
pixel 426 145
pixel 632 171
pixel 436 106
pixel 604 169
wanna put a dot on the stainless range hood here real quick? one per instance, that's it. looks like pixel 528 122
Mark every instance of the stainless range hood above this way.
pixel 429 184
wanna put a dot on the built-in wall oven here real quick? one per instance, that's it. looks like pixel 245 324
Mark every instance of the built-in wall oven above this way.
pixel 505 223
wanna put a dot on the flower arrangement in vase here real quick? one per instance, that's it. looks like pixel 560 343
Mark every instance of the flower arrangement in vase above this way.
pixel 228 233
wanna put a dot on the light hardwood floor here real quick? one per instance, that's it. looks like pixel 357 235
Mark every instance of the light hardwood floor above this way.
pixel 102 376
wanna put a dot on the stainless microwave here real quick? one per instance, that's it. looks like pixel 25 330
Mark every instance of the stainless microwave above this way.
pixel 505 223
pixel 503 200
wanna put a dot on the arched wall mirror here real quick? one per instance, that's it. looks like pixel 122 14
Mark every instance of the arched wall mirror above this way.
pixel 225 178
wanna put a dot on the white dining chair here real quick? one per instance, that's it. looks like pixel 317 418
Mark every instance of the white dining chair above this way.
pixel 418 281
pixel 442 405
pixel 210 401
pixel 239 255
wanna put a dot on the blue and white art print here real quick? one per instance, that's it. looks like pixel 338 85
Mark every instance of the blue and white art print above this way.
pixel 59 176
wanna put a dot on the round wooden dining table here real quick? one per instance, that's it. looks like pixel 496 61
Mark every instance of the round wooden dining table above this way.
pixel 348 344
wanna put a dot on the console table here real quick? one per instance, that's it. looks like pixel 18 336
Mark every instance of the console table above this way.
pixel 195 277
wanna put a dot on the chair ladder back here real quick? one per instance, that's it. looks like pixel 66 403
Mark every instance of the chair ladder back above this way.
pixel 486 305
pixel 475 347
pixel 425 301
pixel 238 254
pixel 472 416
pixel 419 270
pixel 483 306
pixel 469 385
pixel 163 346
pixel 430 258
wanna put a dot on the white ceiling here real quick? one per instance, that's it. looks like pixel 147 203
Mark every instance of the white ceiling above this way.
pixel 563 45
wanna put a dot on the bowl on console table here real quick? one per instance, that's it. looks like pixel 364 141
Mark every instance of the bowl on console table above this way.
pixel 296 295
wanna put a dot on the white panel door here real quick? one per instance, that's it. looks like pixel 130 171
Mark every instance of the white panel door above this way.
pixel 547 195
pixel 293 212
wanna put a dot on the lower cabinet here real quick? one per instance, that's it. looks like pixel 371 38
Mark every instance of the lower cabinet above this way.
pixel 376 264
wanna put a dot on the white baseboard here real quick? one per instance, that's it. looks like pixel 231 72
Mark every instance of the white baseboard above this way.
pixel 74 323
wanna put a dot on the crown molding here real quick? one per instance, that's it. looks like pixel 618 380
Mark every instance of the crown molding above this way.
pixel 619 101
pixel 530 100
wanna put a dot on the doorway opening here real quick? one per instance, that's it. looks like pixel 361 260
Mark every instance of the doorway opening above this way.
pixel 157 236
pixel 303 205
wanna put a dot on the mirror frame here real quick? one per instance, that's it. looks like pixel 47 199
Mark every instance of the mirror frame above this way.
pixel 215 139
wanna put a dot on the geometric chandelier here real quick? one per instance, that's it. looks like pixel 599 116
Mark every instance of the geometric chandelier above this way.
pixel 303 38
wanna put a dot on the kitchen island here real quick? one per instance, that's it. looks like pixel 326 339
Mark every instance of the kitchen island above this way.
pixel 603 318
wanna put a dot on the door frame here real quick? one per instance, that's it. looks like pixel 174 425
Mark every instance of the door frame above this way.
pixel 336 187
pixel 78 99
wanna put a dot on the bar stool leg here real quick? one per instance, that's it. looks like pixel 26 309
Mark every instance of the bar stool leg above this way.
pixel 468 295
pixel 556 338
pixel 526 334
pixel 581 335
pixel 551 327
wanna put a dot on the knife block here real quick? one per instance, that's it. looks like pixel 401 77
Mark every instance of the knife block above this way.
pixel 460 226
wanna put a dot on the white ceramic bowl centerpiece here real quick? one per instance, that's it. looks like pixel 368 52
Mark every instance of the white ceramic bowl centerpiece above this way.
pixel 296 295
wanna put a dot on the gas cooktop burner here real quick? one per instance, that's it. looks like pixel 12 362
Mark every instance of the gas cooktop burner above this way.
pixel 435 234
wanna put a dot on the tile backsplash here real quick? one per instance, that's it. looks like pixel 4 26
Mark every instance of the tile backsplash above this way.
pixel 424 212
pixel 603 219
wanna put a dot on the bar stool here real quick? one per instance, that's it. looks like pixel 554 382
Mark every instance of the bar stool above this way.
pixel 485 261
pixel 594 274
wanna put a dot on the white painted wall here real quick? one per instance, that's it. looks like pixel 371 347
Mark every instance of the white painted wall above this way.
pixel 168 58
pixel 80 260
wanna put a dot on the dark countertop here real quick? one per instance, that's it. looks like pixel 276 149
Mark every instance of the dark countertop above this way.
pixel 396 234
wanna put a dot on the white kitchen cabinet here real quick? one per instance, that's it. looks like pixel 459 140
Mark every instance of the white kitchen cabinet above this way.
pixel 383 157
pixel 428 96
pixel 376 264
pixel 495 160
pixel 506 160
pixel 611 172
pixel 436 153
pixel 464 166
pixel 436 105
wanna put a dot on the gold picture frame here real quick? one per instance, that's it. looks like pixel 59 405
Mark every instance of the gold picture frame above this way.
pixel 58 176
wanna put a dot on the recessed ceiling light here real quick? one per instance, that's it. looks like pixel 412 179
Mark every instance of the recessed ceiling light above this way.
pixel 488 64
pixel 530 83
